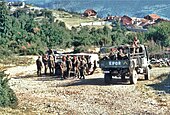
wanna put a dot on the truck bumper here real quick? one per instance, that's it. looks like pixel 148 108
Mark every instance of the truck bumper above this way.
pixel 106 71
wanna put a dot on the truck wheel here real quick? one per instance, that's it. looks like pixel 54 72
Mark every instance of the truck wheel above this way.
pixel 133 77
pixel 147 75
pixel 107 78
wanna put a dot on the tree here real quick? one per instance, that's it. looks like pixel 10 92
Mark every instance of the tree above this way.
pixel 47 13
pixel 30 24
pixel 19 13
pixel 160 33
pixel 5 22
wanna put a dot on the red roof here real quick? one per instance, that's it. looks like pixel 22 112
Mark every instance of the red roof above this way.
pixel 154 16
pixel 90 12
pixel 126 20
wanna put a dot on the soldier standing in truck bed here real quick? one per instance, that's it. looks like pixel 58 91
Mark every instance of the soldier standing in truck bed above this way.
pixel 135 44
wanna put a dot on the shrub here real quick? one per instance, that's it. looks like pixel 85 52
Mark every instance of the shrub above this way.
pixel 7 95
pixel 5 52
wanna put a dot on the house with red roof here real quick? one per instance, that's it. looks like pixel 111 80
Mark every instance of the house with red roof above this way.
pixel 152 17
pixel 90 13
pixel 126 20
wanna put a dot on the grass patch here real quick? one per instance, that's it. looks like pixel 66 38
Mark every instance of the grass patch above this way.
pixel 76 20
pixel 15 61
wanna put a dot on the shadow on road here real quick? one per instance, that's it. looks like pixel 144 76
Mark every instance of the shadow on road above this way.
pixel 164 85
pixel 77 82
pixel 38 78
pixel 22 77
pixel 98 81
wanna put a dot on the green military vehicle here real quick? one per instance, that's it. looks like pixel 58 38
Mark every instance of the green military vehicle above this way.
pixel 133 62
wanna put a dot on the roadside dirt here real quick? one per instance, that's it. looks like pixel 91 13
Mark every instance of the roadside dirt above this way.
pixel 90 96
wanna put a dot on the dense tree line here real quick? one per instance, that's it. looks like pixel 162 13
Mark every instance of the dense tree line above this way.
pixel 21 33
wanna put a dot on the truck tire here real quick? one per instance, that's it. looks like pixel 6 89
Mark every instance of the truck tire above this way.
pixel 123 77
pixel 133 77
pixel 147 75
pixel 107 78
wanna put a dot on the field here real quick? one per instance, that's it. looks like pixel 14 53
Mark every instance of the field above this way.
pixel 71 20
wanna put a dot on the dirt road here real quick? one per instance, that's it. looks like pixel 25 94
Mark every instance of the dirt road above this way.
pixel 90 96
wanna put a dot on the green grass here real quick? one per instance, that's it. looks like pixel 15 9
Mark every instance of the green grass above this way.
pixel 76 21
pixel 71 19
pixel 15 61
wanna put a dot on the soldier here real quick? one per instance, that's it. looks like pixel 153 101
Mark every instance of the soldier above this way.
pixel 68 65
pixel 51 64
pixel 135 44
pixel 120 54
pixel 89 65
pixel 75 66
pixel 85 64
pixel 39 66
pixel 45 62
pixel 63 67
pixel 58 69
pixel 82 68
pixel 112 55
pixel 50 51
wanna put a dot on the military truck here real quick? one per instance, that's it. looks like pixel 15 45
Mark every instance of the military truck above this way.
pixel 134 62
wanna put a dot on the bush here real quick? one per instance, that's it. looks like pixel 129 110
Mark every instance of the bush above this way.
pixel 5 52
pixel 7 95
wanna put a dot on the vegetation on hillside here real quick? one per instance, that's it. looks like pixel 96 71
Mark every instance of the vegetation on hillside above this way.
pixel 21 33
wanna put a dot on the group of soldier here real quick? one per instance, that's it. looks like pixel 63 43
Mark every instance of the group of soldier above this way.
pixel 121 52
pixel 68 65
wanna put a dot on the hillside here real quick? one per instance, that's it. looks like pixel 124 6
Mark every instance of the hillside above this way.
pixel 139 8
pixel 32 30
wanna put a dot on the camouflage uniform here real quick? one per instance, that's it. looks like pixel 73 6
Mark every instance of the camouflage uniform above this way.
pixel 45 62
pixel 75 65
pixel 39 66
pixel 82 68
pixel 58 69
pixel 68 65
pixel 51 64
pixel 63 67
